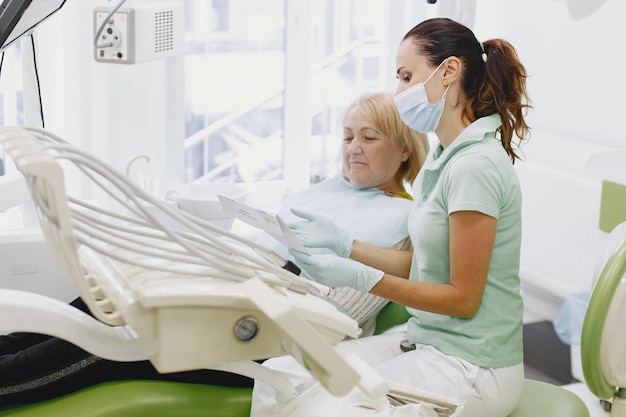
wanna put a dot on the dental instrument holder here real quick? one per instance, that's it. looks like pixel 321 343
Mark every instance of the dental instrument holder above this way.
pixel 202 298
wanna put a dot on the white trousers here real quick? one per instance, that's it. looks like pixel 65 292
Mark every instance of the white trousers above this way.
pixel 484 392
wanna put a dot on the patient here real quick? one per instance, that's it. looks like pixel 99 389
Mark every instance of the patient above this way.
pixel 380 155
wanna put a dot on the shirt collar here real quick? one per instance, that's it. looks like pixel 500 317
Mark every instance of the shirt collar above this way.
pixel 475 132
pixel 347 184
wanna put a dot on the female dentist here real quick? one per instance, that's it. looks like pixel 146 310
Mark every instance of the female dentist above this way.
pixel 460 282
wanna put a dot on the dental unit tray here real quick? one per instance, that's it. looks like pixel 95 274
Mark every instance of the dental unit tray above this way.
pixel 166 286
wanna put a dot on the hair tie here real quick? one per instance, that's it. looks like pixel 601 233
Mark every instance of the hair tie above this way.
pixel 483 53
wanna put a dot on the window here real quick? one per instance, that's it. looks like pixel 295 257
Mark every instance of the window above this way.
pixel 245 60
pixel 234 67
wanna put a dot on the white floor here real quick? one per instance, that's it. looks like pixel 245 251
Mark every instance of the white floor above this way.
pixel 593 404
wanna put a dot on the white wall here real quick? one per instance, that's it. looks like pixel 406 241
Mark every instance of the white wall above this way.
pixel 574 64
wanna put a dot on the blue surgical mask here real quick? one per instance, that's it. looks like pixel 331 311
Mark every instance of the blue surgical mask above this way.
pixel 415 109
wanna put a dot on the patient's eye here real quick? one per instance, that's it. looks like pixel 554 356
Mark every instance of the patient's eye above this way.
pixel 370 134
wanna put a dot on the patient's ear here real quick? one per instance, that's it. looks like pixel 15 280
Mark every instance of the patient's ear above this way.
pixel 405 153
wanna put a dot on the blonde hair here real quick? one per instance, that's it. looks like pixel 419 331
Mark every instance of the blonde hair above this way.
pixel 380 109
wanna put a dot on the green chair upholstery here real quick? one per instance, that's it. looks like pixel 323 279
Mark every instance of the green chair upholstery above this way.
pixel 540 399
pixel 141 399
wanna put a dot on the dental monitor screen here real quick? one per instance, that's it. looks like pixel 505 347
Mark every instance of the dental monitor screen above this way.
pixel 19 17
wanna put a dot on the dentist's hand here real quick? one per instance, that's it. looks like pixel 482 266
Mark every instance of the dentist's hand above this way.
pixel 320 232
pixel 334 271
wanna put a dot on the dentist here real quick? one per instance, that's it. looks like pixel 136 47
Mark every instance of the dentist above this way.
pixel 460 283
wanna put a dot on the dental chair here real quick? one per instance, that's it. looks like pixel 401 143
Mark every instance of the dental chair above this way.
pixel 168 287
pixel 603 336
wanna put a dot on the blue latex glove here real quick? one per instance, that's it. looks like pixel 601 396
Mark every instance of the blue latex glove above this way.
pixel 320 232
pixel 334 271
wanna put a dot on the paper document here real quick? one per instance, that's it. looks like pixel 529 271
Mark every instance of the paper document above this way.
pixel 268 222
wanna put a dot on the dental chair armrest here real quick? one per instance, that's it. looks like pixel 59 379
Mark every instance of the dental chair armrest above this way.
pixel 22 311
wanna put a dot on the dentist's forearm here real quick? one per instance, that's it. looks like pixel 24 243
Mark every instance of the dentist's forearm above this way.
pixel 391 261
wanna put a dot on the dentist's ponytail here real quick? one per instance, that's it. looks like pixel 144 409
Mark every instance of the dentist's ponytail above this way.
pixel 503 90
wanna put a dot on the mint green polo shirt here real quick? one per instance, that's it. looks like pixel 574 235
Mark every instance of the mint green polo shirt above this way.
pixel 474 173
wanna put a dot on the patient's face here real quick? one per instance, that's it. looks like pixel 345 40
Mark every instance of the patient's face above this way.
pixel 370 158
